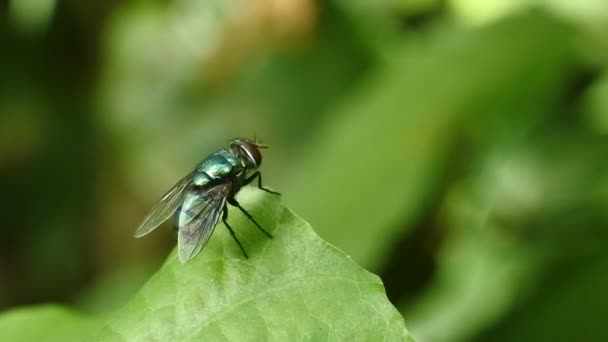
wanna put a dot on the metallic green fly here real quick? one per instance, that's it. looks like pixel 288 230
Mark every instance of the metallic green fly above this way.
pixel 198 200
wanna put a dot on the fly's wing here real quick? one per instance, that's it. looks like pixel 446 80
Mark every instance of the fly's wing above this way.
pixel 193 235
pixel 164 208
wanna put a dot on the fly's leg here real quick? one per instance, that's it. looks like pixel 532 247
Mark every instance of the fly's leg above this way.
pixel 224 217
pixel 233 202
pixel 259 176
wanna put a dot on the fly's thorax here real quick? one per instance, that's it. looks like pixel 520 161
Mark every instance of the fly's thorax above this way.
pixel 217 166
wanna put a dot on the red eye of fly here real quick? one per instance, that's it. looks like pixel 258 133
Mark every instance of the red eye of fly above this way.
pixel 252 153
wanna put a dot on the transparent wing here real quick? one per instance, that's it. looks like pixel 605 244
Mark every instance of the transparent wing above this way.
pixel 193 235
pixel 164 208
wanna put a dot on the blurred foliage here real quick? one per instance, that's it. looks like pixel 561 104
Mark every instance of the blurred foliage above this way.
pixel 455 147
pixel 52 323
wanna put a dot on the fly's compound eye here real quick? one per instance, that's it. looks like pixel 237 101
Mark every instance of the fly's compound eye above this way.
pixel 252 153
pixel 248 152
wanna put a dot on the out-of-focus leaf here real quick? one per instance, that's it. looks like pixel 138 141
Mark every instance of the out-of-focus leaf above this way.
pixel 415 6
pixel 368 173
pixel 479 279
pixel 482 12
pixel 32 16
pixel 292 287
pixel 44 323
pixel 596 106
pixel 375 22
pixel 516 222
pixel 565 306
pixel 589 16
pixel 587 12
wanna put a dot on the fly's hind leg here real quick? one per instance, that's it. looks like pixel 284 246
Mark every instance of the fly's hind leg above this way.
pixel 224 217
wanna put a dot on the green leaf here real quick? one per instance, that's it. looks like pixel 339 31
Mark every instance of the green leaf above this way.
pixel 43 323
pixel 293 287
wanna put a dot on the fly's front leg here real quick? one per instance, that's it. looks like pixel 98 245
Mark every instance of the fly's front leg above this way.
pixel 233 202
pixel 259 176
pixel 224 217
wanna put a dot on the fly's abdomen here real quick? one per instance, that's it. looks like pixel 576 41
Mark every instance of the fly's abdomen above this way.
pixel 189 211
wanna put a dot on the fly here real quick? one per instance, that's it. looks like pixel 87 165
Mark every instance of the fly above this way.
pixel 198 200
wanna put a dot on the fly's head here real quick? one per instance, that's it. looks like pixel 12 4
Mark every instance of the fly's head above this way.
pixel 248 152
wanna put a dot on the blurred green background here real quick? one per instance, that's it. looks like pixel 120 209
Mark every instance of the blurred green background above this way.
pixel 456 148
